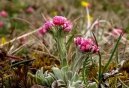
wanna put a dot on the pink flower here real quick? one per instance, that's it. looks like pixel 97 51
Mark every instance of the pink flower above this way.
pixel 45 27
pixel 3 13
pixel 30 10
pixel 94 49
pixel 117 32
pixel 82 48
pixel 59 20
pixel 67 26
pixel 42 30
pixel 78 40
pixel 86 44
pixel 1 24
pixel 48 25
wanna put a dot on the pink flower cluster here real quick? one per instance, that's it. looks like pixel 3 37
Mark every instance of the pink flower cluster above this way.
pixel 67 26
pixel 59 20
pixel 86 44
pixel 63 22
pixel 56 21
pixel 45 27
pixel 3 14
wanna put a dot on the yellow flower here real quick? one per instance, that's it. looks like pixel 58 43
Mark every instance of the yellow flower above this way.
pixel 85 4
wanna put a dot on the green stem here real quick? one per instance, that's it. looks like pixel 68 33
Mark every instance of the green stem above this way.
pixel 100 64
pixel 61 47
pixel 84 71
pixel 117 58
pixel 100 67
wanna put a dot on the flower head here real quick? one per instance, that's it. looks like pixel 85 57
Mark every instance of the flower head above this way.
pixel 59 20
pixel 45 27
pixel 67 26
pixel 86 44
pixel 48 25
pixel 78 40
pixel 3 13
pixel 85 4
pixel 42 30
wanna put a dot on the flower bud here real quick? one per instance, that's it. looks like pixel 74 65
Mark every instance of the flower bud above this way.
pixel 42 30
pixel 59 20
pixel 48 25
pixel 67 26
